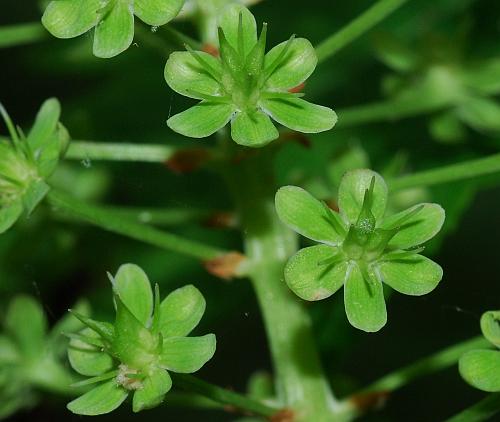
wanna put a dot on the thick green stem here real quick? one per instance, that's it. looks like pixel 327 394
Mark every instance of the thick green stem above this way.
pixel 481 411
pixel 21 34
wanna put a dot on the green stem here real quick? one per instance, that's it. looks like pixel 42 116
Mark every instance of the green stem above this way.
pixel 454 172
pixel 357 27
pixel 21 34
pixel 107 220
pixel 481 411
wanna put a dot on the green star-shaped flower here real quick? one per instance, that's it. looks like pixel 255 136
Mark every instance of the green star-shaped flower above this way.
pixel 113 20
pixel 246 86
pixel 135 354
pixel 361 247
pixel 481 368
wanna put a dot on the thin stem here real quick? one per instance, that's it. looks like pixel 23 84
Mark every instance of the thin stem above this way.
pixel 357 27
pixel 21 34
pixel 481 411
pixel 466 170
pixel 107 220
pixel 221 395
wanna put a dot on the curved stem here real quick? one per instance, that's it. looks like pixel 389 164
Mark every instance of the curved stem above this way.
pixel 21 34
pixel 481 411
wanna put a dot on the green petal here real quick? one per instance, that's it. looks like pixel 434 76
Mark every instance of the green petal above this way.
pixel 157 12
pixel 418 229
pixel 310 280
pixel 364 301
pixel 201 120
pixel 181 311
pixel 490 326
pixel 100 400
pixel 481 113
pixel 70 18
pixel 187 354
pixel 415 275
pixel 304 214
pixel 253 130
pixel 299 115
pixel 481 369
pixel 34 194
pixel 115 31
pixel 26 323
pixel 155 386
pixel 87 359
pixel 352 191
pixel 185 75
pixel 9 215
pixel 132 285
pixel 229 22
pixel 297 64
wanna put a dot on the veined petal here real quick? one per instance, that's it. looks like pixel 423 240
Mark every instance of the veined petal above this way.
pixel 253 130
pixel 70 18
pixel 100 400
pixel 155 386
pixel 229 22
pixel 115 31
pixel 299 115
pixel 310 278
pixel 87 359
pixel 9 215
pixel 157 12
pixel 490 326
pixel 202 120
pixel 481 369
pixel 187 354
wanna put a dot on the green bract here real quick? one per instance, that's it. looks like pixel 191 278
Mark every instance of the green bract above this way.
pixel 113 20
pixel 361 247
pixel 481 368
pixel 147 340
pixel 26 164
pixel 246 86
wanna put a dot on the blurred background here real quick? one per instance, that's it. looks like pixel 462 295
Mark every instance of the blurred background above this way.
pixel 426 49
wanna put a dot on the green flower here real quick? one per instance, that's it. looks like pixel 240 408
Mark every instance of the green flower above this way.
pixel 481 368
pixel 246 86
pixel 136 354
pixel 361 248
pixel 26 164
pixel 113 20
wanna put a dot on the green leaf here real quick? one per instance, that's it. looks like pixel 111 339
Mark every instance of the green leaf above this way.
pixel 9 215
pixel 364 301
pixel 202 120
pixel 34 194
pixel 253 130
pixel 481 113
pixel 296 66
pixel 447 127
pixel 484 76
pixel 155 386
pixel 304 214
pixel 414 275
pixel 299 115
pixel 417 229
pixel 352 190
pixel 186 75
pixel 132 285
pixel 490 326
pixel 187 354
pixel 481 369
pixel 26 323
pixel 87 359
pixel 115 32
pixel 181 311
pixel 71 18
pixel 394 54
pixel 157 12
pixel 229 22
pixel 8 351
pixel 310 278
pixel 100 400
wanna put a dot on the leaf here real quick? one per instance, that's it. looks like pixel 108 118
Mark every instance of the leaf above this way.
pixel 34 194
pixel 490 326
pixel 229 22
pixel 187 354
pixel 484 76
pixel 295 67
pixel 71 18
pixel 253 130
pixel 394 54
pixel 481 369
pixel 9 215
pixel 352 190
pixel 303 213
pixel 181 311
pixel 8 351
pixel 132 285
pixel 115 31
pixel 414 275
pixel 87 359
pixel 202 120
pixel 100 400
pixel 447 127
pixel 155 386
pixel 481 113
pixel 364 301
pixel 311 279
pixel 417 229
pixel 157 12
pixel 299 115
